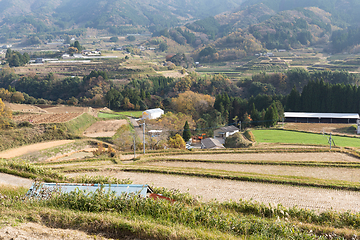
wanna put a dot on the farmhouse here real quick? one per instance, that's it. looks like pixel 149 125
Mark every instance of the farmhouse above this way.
pixel 211 143
pixel 222 133
pixel 301 117
pixel 152 113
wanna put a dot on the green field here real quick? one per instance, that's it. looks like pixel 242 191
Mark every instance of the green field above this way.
pixel 136 114
pixel 110 116
pixel 120 115
pixel 282 136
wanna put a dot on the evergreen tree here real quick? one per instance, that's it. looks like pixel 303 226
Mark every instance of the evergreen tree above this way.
pixel 186 132
pixel 271 116
pixel 8 53
pixel 293 100
pixel 255 115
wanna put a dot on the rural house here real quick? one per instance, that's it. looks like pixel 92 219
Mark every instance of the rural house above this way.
pixel 222 133
pixel 152 113
pixel 211 143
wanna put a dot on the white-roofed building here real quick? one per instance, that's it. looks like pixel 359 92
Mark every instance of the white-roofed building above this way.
pixel 152 113
pixel 302 117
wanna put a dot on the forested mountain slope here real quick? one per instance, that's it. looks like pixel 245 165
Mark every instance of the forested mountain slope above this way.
pixel 54 15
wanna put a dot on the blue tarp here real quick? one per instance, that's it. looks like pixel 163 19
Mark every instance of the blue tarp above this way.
pixel 119 189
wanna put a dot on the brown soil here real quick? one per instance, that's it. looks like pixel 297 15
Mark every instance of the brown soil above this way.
pixel 32 148
pixel 46 118
pixel 321 127
pixel 24 108
pixel 48 114
pixel 104 128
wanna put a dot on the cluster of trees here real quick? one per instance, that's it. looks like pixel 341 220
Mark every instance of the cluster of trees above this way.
pixel 91 89
pixel 262 110
pixel 16 59
pixel 231 47
pixel 75 47
pixel 283 34
pixel 344 39
pixel 209 26
pixel 320 96
pixel 282 83
pixel 180 36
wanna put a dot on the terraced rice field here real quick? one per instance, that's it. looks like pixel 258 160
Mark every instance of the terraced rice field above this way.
pixel 342 174
pixel 46 118
pixel 230 176
pixel 288 157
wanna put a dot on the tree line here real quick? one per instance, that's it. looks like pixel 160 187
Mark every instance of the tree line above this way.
pixel 320 96
pixel 211 100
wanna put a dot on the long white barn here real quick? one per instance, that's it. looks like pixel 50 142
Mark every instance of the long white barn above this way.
pixel 303 117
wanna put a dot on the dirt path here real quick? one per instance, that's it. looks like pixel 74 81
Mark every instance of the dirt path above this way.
pixel 223 190
pixel 137 128
pixel 32 148
pixel 34 231
pixel 7 179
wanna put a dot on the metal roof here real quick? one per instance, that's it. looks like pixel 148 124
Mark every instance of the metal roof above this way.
pixel 321 115
pixel 156 110
pixel 119 189
pixel 211 143
pixel 230 128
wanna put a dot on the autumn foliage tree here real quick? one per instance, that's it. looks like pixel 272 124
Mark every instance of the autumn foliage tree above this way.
pixel 177 142
pixel 5 115
pixel 193 104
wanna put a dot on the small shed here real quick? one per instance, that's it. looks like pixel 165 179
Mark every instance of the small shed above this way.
pixel 303 117
pixel 211 143
pixel 153 113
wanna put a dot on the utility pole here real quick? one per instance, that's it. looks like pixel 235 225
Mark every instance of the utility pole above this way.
pixel 240 126
pixel 134 147
pixel 144 135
